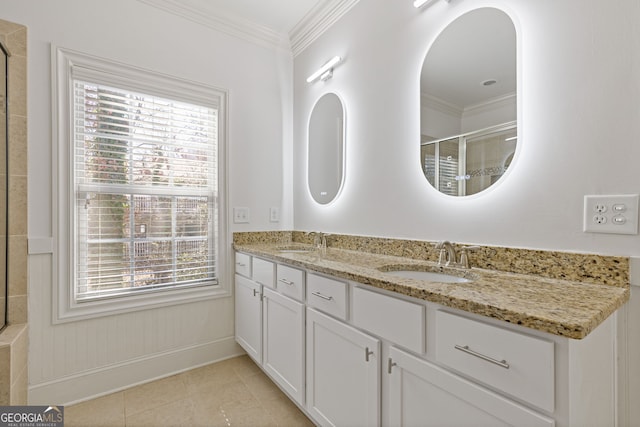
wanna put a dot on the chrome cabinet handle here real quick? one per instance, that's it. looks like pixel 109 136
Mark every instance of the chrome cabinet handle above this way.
pixel 319 295
pixel 390 365
pixel 502 363
pixel 255 292
pixel 241 264
pixel 367 353
pixel 286 282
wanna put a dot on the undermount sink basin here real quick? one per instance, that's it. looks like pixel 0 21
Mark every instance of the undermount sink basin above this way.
pixel 430 276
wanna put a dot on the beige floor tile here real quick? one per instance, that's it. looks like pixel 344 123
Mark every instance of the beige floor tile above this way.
pixel 212 408
pixel 297 420
pixel 210 376
pixel 280 407
pixel 236 415
pixel 244 366
pixel 151 395
pixel 103 411
pixel 261 386
pixel 229 393
pixel 175 414
pixel 233 393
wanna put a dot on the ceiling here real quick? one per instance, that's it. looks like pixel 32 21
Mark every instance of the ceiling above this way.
pixel 280 16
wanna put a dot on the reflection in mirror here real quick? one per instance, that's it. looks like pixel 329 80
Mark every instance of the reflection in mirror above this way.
pixel 326 148
pixel 468 116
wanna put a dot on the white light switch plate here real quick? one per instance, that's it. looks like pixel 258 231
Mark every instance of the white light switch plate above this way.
pixel 614 214
pixel 274 214
pixel 240 215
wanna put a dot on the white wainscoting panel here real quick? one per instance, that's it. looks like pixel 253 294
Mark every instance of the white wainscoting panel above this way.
pixel 97 356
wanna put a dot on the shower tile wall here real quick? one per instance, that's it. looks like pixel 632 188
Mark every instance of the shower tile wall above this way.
pixel 14 339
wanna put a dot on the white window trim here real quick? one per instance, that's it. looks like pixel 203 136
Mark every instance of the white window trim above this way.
pixel 63 63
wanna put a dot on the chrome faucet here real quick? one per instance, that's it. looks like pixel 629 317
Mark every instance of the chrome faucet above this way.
pixel 447 255
pixel 319 240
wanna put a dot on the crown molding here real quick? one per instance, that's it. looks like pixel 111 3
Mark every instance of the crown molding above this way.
pixel 441 105
pixel 233 25
pixel 316 22
pixel 451 109
pixel 491 104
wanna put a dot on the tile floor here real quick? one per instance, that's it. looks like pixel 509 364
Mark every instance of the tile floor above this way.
pixel 234 392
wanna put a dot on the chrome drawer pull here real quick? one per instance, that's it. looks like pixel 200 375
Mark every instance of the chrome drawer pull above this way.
pixel 241 264
pixel 319 295
pixel 367 353
pixel 466 349
pixel 255 292
pixel 286 282
pixel 390 365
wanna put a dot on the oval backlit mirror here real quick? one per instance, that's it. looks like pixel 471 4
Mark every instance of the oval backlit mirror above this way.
pixel 468 103
pixel 326 148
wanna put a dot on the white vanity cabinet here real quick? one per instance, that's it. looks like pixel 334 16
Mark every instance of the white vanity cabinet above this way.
pixel 248 316
pixel 262 272
pixel 343 373
pixel 270 326
pixel 354 355
pixel 422 394
pixel 283 334
pixel 243 264
pixel 518 364
pixel 290 282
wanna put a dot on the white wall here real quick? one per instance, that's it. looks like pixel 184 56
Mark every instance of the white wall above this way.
pixel 72 361
pixel 579 96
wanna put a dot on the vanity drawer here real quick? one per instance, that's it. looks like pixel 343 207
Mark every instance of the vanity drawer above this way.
pixel 399 321
pixel 243 264
pixel 263 272
pixel 518 364
pixel 327 295
pixel 290 282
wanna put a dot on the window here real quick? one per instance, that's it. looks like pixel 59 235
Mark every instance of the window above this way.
pixel 143 220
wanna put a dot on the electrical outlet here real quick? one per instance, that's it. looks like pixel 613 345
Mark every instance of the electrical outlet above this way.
pixel 600 208
pixel 240 215
pixel 615 214
pixel 599 219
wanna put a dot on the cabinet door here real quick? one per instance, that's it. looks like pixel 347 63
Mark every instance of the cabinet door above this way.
pixel 422 395
pixel 283 332
pixel 248 316
pixel 343 373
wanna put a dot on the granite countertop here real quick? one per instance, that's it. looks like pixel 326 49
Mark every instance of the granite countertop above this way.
pixel 562 307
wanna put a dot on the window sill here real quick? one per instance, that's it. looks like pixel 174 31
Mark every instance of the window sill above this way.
pixel 130 303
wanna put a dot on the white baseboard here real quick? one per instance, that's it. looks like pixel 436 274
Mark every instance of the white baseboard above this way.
pixel 109 379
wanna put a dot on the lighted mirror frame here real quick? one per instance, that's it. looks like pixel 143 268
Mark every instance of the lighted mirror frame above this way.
pixel 488 119
pixel 326 148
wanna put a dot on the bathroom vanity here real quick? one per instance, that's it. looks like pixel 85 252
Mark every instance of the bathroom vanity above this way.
pixel 352 343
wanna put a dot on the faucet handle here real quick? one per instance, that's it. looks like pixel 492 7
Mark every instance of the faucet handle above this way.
pixel 464 256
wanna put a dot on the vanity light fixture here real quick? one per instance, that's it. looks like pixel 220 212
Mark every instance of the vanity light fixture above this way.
pixel 425 3
pixel 326 71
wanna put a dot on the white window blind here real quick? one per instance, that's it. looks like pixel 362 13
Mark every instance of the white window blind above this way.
pixel 145 182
